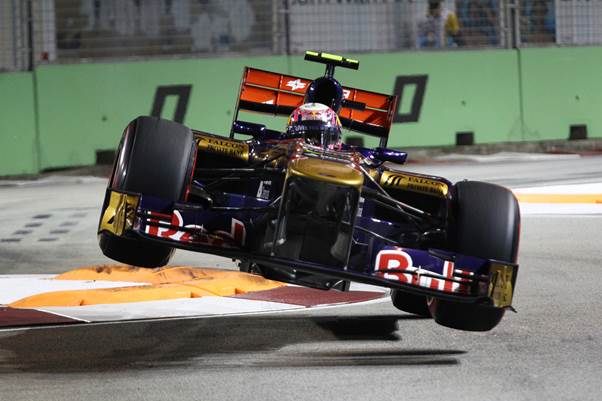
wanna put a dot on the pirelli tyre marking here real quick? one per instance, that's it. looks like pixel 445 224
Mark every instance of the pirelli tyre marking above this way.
pixel 223 146
pixel 119 214
pixel 414 183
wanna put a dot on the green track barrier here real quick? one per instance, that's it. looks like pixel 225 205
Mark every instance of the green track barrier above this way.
pixel 17 124
pixel 495 95
pixel 561 87
pixel 83 108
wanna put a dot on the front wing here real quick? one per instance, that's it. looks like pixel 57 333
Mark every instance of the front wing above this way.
pixel 435 273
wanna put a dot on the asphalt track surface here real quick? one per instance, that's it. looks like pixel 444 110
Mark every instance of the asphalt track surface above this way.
pixel 550 350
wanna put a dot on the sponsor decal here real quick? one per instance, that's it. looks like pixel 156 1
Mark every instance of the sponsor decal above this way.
pixel 414 183
pixel 445 285
pixel 224 146
pixel 296 84
pixel 465 287
pixel 346 93
pixel 196 234
pixel 448 272
pixel 397 259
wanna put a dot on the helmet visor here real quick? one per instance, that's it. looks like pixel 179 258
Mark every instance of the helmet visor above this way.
pixel 315 133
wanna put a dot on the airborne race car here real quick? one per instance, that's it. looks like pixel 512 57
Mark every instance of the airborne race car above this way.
pixel 312 216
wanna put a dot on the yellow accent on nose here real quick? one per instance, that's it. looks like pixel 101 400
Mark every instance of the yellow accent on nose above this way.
pixel 327 171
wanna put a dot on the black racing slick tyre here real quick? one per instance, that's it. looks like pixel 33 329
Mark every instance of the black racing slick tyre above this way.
pixel 415 304
pixel 485 222
pixel 154 158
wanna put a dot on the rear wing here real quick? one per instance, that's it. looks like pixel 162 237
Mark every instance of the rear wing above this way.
pixel 279 94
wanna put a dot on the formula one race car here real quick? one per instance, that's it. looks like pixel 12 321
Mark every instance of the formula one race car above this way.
pixel 300 206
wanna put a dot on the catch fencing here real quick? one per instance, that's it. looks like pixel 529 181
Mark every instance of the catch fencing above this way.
pixel 34 32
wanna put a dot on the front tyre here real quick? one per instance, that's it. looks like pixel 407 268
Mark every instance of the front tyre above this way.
pixel 133 251
pixel 414 304
pixel 485 222
pixel 155 157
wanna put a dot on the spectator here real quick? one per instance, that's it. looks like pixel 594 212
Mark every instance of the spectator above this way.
pixel 479 22
pixel 538 23
pixel 440 29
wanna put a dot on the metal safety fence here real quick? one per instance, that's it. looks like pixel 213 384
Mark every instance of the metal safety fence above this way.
pixel 50 31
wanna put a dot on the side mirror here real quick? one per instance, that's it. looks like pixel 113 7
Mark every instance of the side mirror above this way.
pixel 378 156
pixel 390 155
pixel 257 131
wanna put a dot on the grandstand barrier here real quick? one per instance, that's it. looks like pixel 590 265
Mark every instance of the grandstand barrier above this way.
pixel 493 95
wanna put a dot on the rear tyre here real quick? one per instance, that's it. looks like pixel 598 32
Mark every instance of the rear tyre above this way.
pixel 415 304
pixel 485 223
pixel 154 158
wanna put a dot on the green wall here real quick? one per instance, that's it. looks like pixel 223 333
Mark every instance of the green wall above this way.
pixel 500 95
pixel 561 87
pixel 88 105
pixel 17 124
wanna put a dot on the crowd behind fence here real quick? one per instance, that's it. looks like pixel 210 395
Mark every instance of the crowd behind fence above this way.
pixel 33 32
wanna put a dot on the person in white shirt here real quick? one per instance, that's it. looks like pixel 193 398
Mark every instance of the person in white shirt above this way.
pixel 440 29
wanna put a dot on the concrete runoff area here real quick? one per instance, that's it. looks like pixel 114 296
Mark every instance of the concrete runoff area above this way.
pixel 551 349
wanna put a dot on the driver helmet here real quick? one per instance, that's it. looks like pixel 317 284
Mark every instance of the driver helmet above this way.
pixel 317 124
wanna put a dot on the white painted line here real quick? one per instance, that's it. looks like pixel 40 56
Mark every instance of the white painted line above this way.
pixel 367 287
pixel 572 189
pixel 506 157
pixel 560 208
